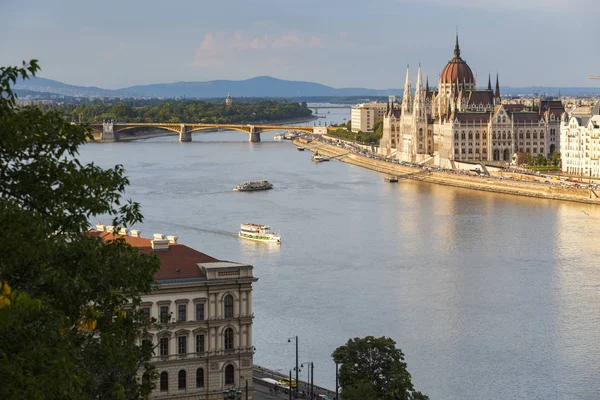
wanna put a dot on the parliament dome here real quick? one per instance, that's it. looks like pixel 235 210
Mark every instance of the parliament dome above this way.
pixel 457 70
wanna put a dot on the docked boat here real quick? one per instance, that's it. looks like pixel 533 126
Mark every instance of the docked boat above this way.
pixel 300 148
pixel 253 186
pixel 317 157
pixel 278 136
pixel 260 233
pixel 391 179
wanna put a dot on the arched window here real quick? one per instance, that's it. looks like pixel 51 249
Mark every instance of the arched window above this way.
pixel 229 375
pixel 164 381
pixel 228 339
pixel 181 379
pixel 541 134
pixel 535 134
pixel 503 135
pixel 520 135
pixel 229 306
pixel 200 377
pixel 477 135
pixel 470 135
pixel 462 136
pixel 528 135
pixel 455 135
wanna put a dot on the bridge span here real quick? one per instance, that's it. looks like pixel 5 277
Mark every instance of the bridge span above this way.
pixel 109 131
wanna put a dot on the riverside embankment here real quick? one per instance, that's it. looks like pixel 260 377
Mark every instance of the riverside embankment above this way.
pixel 488 184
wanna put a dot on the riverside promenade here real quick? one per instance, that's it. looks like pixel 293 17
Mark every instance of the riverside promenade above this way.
pixel 450 178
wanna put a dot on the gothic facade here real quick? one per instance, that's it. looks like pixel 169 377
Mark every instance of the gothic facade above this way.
pixel 459 122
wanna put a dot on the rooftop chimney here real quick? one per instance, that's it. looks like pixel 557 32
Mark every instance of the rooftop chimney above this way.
pixel 136 233
pixel 160 244
pixel 172 239
pixel 109 228
pixel 100 227
pixel 123 231
pixel 159 236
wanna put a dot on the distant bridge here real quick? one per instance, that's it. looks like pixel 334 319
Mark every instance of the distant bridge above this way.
pixel 109 131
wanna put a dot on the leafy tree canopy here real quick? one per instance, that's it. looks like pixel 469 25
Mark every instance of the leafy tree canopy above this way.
pixel 63 332
pixel 372 369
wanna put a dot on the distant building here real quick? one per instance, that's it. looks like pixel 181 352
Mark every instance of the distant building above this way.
pixel 580 141
pixel 203 346
pixel 363 116
pixel 228 100
pixel 457 121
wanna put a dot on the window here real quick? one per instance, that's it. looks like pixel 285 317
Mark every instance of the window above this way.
pixel 182 344
pixel 200 377
pixel 146 312
pixel 164 314
pixel 164 346
pixel 199 343
pixel 199 311
pixel 229 375
pixel 229 306
pixel 228 339
pixel 164 381
pixel 181 379
pixel 181 312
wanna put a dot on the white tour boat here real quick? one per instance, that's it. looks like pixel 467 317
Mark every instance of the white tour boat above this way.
pixel 259 232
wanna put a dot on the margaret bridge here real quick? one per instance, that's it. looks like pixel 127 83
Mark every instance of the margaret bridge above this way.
pixel 109 131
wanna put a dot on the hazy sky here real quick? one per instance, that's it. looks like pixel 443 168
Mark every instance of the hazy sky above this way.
pixel 341 43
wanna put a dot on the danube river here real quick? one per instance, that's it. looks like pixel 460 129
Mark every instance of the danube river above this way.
pixel 489 296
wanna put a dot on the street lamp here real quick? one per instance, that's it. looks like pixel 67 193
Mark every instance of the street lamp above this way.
pixel 337 390
pixel 290 341
pixel 311 375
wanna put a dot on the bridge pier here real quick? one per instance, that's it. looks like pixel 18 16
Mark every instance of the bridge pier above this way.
pixel 254 135
pixel 184 136
pixel 108 133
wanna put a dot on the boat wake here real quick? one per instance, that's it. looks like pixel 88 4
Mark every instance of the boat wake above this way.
pixel 198 229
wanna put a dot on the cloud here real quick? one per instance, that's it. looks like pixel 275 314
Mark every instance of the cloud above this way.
pixel 219 48
pixel 517 5
pixel 343 35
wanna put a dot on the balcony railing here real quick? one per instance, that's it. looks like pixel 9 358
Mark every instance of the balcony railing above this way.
pixel 206 354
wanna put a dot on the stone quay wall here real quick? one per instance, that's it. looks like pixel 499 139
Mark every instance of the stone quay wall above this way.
pixel 504 186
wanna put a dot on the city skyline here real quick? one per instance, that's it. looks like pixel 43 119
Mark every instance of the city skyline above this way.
pixel 339 44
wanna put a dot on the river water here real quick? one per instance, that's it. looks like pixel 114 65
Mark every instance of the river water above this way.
pixel 489 296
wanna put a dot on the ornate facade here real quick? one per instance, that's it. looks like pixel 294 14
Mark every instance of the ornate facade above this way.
pixel 203 308
pixel 459 122
pixel 580 141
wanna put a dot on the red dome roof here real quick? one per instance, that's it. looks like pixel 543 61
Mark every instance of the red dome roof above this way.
pixel 457 69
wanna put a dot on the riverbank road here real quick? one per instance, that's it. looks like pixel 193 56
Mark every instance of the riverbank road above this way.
pixel 265 390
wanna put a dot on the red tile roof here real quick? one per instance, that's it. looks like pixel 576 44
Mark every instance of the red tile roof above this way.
pixel 178 262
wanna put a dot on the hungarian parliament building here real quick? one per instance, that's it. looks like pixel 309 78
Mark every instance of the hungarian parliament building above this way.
pixel 458 122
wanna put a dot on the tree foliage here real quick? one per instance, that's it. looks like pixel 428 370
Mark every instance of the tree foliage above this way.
pixel 361 137
pixel 378 127
pixel 188 111
pixel 63 333
pixel 555 160
pixel 372 369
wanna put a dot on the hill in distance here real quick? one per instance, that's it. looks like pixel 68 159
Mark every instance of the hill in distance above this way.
pixel 261 86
